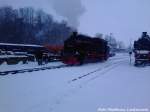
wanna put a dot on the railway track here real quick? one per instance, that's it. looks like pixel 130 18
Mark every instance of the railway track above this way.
pixel 31 70
pixel 3 73
pixel 106 68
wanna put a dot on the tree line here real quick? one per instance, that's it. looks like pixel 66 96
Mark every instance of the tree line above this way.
pixel 30 26
pixel 112 42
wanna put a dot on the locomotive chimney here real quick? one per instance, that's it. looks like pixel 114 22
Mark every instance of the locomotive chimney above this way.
pixel 75 33
pixel 144 34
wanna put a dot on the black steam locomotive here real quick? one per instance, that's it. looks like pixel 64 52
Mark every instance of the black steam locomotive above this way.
pixel 81 48
pixel 142 50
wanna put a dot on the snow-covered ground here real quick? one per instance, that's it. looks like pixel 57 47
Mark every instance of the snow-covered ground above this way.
pixel 87 88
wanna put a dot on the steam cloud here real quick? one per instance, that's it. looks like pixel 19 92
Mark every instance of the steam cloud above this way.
pixel 69 9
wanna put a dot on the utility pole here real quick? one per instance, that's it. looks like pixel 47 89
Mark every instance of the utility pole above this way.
pixel 130 50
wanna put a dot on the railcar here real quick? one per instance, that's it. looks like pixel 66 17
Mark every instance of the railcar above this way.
pixel 16 48
pixel 14 53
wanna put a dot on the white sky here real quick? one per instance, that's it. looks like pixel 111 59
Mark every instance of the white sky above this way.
pixel 126 19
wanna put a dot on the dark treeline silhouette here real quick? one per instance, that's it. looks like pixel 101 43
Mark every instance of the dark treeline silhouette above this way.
pixel 29 26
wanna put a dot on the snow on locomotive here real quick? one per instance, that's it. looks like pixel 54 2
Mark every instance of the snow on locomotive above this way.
pixel 79 49
pixel 142 50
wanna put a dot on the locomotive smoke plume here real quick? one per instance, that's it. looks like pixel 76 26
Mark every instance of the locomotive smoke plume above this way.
pixel 70 10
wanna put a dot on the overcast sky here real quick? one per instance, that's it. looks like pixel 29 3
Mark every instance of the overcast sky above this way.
pixel 126 19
